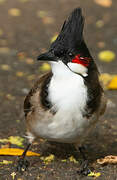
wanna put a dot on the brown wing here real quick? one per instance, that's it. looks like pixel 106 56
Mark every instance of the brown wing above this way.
pixel 103 104
pixel 40 85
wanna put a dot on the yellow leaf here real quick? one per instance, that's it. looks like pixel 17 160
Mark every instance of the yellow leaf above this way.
pixel 13 174
pixel 106 56
pixel 113 83
pixel 72 159
pixel 104 3
pixel 16 152
pixel 53 38
pixel 14 12
pixel 20 74
pixel 41 14
pixel 2 1
pixel 64 160
pixel 1 32
pixel 6 162
pixel 100 23
pixel 93 174
pixel 105 79
pixel 48 159
pixel 5 67
pixel 10 97
pixel 45 67
pixel 17 140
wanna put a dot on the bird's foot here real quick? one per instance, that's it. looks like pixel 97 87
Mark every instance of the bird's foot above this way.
pixel 22 165
pixel 85 170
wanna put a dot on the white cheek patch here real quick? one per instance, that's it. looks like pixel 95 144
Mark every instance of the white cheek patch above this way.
pixel 78 68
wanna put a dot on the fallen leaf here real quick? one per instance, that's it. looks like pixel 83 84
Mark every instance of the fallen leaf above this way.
pixel 93 174
pixel 99 23
pixel 54 38
pixel 106 56
pixel 104 3
pixel 14 12
pixel 24 1
pixel 101 44
pixel 113 83
pixel 5 162
pixel 1 32
pixel 21 56
pixel 31 77
pixel 64 160
pixel 108 160
pixel 13 174
pixel 42 14
pixel 10 97
pixel 105 79
pixel 16 152
pixel 5 67
pixel 72 159
pixel 48 159
pixel 20 74
pixel 17 140
pixel 4 50
pixel 45 67
pixel 2 1
pixel 48 20
pixel 29 61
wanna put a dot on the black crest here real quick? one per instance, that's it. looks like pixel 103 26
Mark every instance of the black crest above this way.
pixel 71 35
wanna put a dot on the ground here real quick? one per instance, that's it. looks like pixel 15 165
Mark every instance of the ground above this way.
pixel 24 34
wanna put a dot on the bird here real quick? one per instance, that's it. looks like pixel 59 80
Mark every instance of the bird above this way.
pixel 65 103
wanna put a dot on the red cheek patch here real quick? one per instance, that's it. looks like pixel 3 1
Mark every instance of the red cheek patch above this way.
pixel 81 60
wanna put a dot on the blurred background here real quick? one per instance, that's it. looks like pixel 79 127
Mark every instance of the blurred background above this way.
pixel 27 27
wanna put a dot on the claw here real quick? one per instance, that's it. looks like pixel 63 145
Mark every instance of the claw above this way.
pixel 84 168
pixel 22 165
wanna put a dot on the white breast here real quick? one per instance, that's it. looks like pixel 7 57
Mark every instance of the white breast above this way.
pixel 68 95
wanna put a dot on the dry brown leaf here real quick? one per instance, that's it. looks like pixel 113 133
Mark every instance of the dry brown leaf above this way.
pixel 21 56
pixel 108 160
pixel 29 61
pixel 16 152
pixel 48 20
pixel 104 3
pixel 4 50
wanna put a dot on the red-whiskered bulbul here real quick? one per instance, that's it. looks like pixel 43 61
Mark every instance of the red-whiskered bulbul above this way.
pixel 65 104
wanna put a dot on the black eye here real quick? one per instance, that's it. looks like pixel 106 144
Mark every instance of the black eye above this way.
pixel 70 54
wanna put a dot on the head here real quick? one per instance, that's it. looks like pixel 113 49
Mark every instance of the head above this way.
pixel 69 47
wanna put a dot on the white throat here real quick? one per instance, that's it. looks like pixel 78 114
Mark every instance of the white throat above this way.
pixel 67 90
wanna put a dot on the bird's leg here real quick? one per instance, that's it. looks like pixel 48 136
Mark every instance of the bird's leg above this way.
pixel 84 165
pixel 22 162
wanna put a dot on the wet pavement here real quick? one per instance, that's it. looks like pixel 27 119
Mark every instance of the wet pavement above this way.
pixel 25 32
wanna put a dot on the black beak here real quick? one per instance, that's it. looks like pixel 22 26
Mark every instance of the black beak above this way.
pixel 48 56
